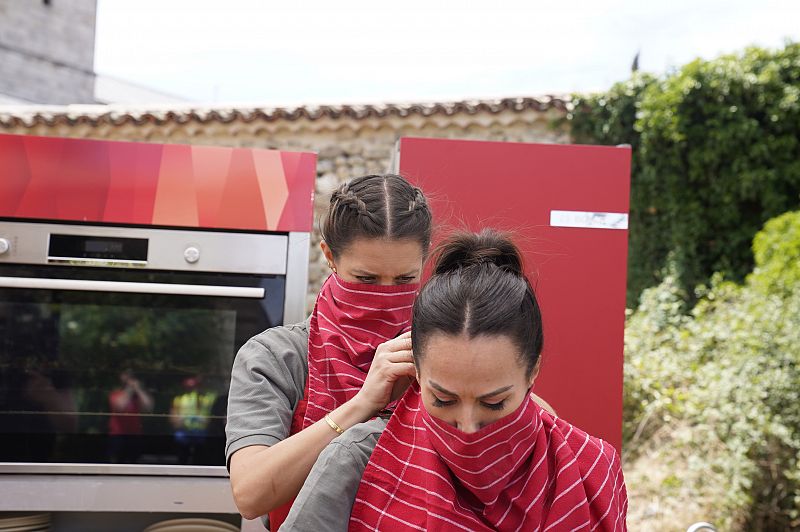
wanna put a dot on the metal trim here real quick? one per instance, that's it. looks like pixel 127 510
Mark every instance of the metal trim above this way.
pixel 394 161
pixel 294 304
pixel 132 288
pixel 38 468
pixel 111 493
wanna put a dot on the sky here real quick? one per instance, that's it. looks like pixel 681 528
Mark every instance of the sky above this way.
pixel 311 52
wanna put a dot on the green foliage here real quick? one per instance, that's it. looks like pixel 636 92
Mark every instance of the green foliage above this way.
pixel 730 371
pixel 776 249
pixel 716 152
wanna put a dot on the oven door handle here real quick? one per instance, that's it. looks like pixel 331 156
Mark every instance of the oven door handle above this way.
pixel 85 285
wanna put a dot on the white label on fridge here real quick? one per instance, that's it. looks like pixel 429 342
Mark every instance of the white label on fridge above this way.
pixel 589 220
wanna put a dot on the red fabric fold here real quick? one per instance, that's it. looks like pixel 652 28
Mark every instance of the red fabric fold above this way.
pixel 527 471
pixel 349 322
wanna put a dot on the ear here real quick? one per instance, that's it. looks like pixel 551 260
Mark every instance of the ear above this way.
pixel 326 251
pixel 535 372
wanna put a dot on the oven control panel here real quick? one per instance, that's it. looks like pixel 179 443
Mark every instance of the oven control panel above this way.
pixel 144 248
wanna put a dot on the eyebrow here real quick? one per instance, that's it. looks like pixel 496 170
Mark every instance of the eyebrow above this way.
pixel 484 396
pixel 412 273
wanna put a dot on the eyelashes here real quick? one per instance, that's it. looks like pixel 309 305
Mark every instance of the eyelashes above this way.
pixel 372 280
pixel 495 406
pixel 439 403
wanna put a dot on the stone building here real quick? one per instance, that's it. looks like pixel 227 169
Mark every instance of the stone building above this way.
pixel 350 140
pixel 47 51
pixel 47 57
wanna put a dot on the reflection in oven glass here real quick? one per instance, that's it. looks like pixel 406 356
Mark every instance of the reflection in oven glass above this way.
pixel 114 383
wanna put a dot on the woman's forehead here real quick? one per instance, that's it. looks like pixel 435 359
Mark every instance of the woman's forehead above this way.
pixel 479 364
pixel 383 256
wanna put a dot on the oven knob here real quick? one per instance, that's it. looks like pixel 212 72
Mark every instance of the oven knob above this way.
pixel 4 245
pixel 191 254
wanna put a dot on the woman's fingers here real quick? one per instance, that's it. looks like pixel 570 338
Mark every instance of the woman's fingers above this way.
pixel 399 356
pixel 401 343
pixel 390 373
pixel 401 369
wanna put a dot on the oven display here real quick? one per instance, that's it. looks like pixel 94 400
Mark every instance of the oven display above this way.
pixel 103 246
pixel 79 247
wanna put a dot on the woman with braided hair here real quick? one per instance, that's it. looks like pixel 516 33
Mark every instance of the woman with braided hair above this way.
pixel 296 388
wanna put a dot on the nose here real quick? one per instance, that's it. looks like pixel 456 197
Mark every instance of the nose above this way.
pixel 468 423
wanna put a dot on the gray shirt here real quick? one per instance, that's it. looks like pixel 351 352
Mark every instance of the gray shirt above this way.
pixel 327 497
pixel 268 380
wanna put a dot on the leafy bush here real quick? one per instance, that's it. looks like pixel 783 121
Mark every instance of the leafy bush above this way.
pixel 716 152
pixel 712 396
pixel 776 249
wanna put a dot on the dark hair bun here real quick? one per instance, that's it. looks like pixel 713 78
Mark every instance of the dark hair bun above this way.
pixel 478 288
pixel 489 248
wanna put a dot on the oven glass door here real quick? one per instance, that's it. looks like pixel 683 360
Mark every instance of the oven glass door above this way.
pixel 101 365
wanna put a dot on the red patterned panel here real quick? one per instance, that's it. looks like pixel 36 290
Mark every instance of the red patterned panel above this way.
pixel 44 162
pixel 155 184
pixel 15 175
pixel 241 200
pixel 211 167
pixel 176 202
pixel 134 179
pixel 147 167
pixel 295 167
pixel 82 181
pixel 272 183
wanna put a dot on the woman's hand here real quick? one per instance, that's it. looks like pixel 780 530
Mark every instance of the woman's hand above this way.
pixel 264 477
pixel 389 375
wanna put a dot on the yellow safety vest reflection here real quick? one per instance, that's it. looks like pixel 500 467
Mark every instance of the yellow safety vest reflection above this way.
pixel 194 409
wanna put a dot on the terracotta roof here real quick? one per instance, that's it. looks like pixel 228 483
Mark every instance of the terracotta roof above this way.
pixel 32 115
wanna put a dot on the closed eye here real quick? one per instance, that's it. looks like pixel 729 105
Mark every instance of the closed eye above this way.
pixel 403 280
pixel 441 403
pixel 495 406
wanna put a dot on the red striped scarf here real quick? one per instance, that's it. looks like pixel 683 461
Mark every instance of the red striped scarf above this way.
pixel 350 320
pixel 527 471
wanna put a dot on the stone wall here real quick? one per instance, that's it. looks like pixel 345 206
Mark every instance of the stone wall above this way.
pixel 347 147
pixel 47 50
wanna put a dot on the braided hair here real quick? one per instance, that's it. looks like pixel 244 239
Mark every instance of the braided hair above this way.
pixel 376 206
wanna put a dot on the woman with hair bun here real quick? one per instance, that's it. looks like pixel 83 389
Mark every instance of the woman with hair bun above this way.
pixel 296 388
pixel 468 448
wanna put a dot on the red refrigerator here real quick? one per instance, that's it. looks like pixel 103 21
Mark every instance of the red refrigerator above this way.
pixel 567 206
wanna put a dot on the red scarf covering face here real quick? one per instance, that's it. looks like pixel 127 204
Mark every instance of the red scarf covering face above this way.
pixel 527 471
pixel 349 322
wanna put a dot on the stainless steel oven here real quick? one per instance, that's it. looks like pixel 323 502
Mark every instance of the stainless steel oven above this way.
pixel 116 345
